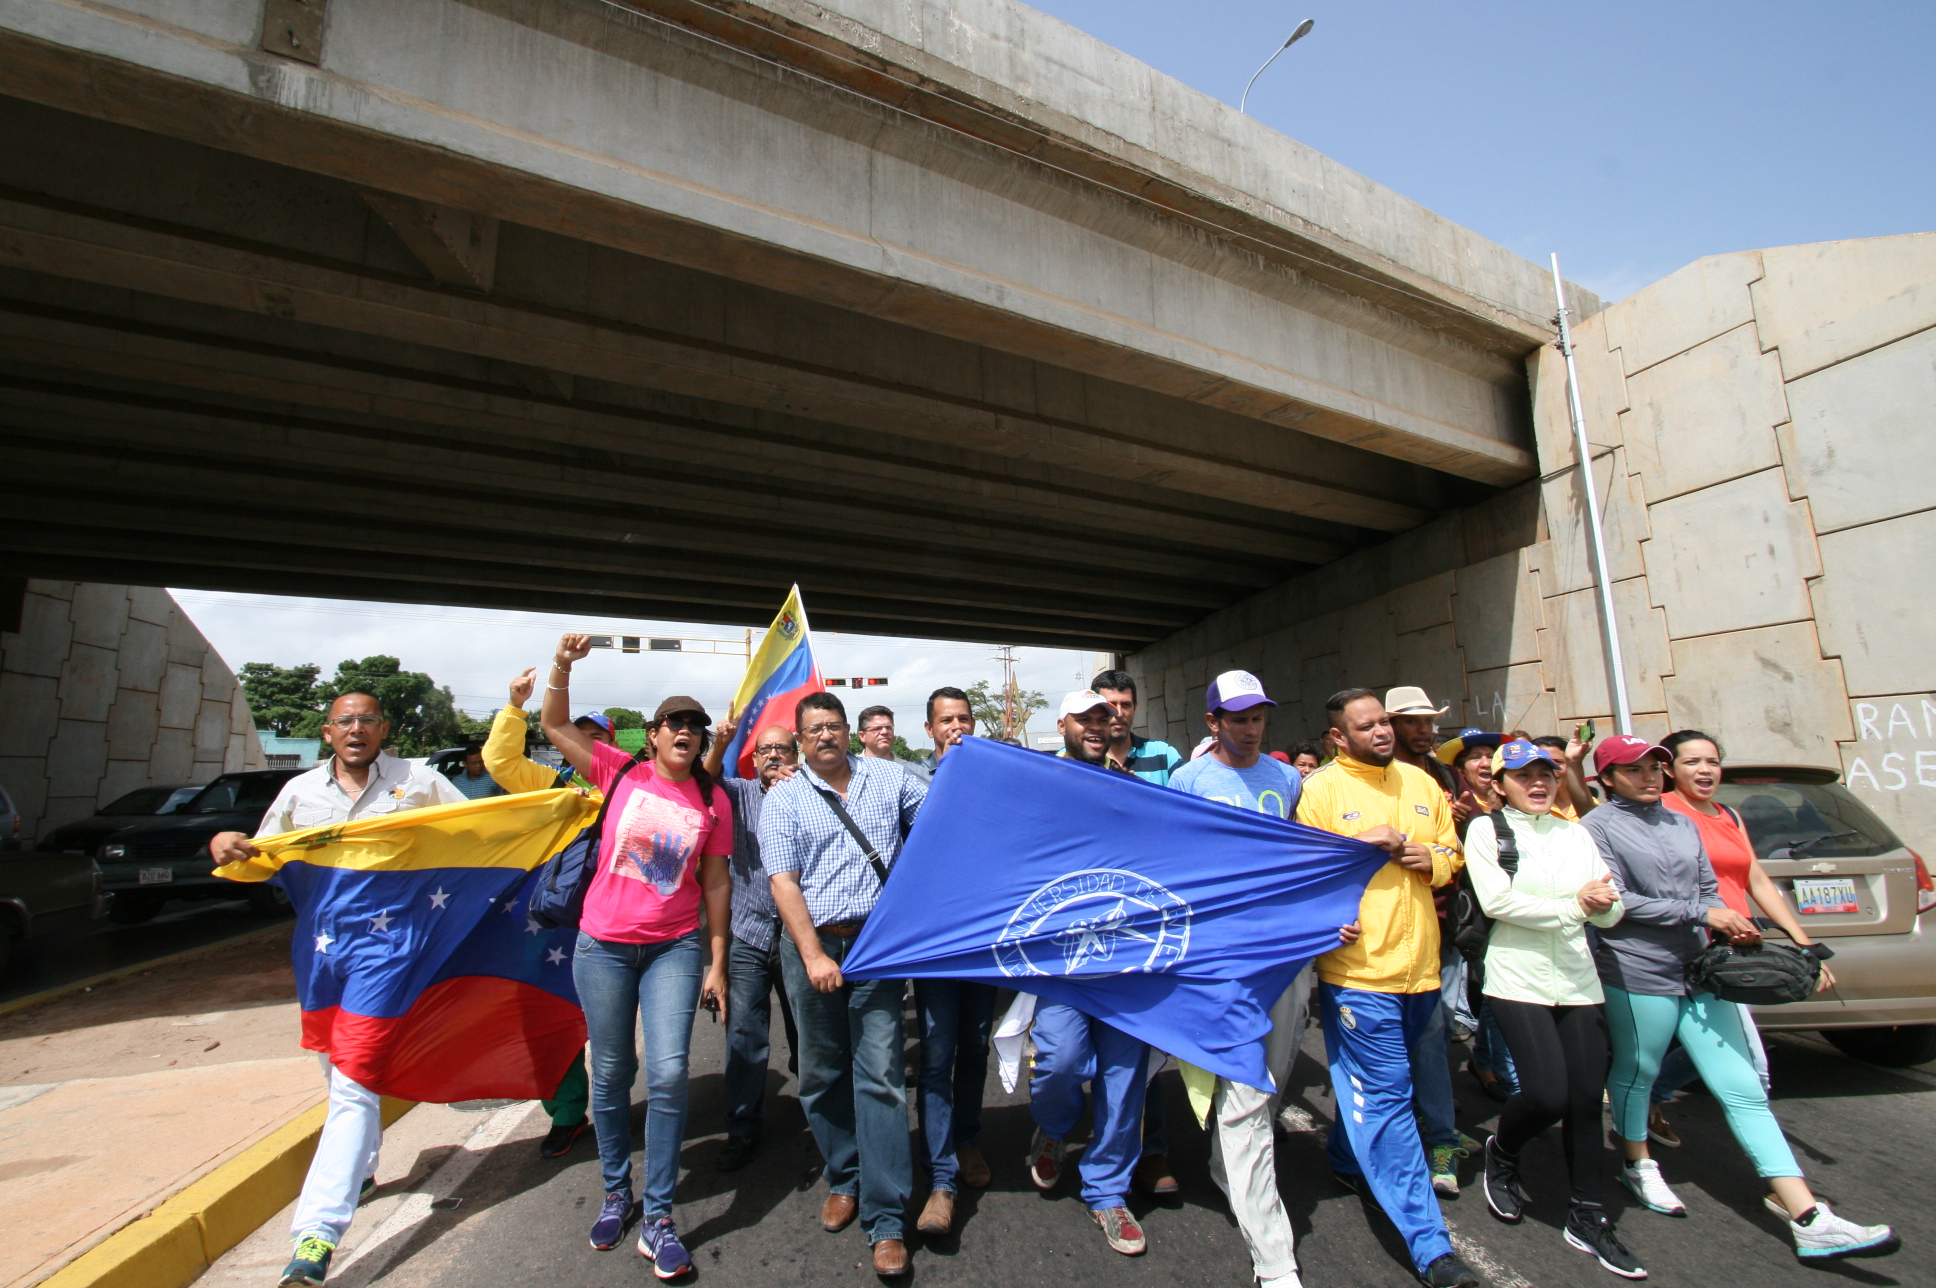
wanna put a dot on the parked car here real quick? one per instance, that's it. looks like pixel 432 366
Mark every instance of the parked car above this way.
pixel 40 891
pixel 1856 887
pixel 152 860
pixel 84 836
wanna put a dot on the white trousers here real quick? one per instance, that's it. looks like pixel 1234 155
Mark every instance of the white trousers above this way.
pixel 345 1154
pixel 1243 1163
pixel 1288 1015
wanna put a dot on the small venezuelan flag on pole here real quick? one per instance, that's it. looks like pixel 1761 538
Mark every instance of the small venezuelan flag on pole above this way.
pixel 781 673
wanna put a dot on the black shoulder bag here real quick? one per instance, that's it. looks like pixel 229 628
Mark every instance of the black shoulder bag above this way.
pixel 558 898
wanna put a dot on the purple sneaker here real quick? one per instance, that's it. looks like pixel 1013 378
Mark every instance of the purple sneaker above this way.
pixel 659 1241
pixel 610 1226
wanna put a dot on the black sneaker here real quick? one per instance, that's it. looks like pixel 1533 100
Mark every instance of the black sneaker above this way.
pixel 559 1140
pixel 1448 1272
pixel 1503 1194
pixel 736 1152
pixel 1589 1230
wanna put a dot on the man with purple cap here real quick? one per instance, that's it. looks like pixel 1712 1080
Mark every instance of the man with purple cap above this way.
pixel 1234 772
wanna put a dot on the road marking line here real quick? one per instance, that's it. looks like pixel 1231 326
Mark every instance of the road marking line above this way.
pixel 1476 1256
pixel 372 1258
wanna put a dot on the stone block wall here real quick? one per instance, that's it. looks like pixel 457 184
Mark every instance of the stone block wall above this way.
pixel 1764 439
pixel 104 689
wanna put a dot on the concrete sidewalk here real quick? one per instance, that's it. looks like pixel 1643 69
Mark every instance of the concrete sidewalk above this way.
pixel 114 1099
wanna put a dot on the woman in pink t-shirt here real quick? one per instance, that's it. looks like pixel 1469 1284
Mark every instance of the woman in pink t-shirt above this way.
pixel 1696 772
pixel 666 842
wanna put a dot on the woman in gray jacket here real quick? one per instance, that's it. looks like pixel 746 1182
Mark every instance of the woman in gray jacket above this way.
pixel 1673 902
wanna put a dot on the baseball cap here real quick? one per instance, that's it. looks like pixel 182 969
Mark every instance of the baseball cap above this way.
pixel 1410 700
pixel 598 718
pixel 682 706
pixel 1235 691
pixel 1452 750
pixel 1280 755
pixel 1519 753
pixel 1625 749
pixel 1074 704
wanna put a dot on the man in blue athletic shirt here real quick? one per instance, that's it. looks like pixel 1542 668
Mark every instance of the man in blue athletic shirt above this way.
pixel 1235 772
pixel 1150 759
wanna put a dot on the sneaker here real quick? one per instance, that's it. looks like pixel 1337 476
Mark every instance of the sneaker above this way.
pixel 659 1244
pixel 1822 1236
pixel 1660 1131
pixel 1469 1145
pixel 1289 1280
pixel 1120 1229
pixel 1448 1272
pixel 1445 1169
pixel 310 1264
pixel 1152 1175
pixel 1642 1176
pixel 1503 1193
pixel 736 1151
pixel 612 1220
pixel 1589 1230
pixel 558 1141
pixel 367 1188
pixel 1045 1161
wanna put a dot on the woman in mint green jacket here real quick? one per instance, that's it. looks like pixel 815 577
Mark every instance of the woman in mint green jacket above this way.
pixel 1545 992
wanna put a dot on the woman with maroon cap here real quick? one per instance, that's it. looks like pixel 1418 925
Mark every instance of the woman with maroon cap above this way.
pixel 1673 902
pixel 665 843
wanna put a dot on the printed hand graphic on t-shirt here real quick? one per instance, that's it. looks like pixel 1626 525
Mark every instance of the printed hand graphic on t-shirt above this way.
pixel 667 863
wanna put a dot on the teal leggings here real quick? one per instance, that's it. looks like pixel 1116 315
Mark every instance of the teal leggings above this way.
pixel 1642 1026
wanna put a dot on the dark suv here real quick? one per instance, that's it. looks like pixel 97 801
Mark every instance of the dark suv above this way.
pixel 153 860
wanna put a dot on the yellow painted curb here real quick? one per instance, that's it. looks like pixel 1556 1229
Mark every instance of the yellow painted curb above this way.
pixel 172 1246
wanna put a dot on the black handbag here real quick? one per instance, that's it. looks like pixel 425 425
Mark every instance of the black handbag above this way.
pixel 1771 975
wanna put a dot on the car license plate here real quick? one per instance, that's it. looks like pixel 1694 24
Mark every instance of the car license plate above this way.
pixel 1835 894
pixel 156 876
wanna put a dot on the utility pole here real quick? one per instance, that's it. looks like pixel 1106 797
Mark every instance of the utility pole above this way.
pixel 1595 538
pixel 1007 658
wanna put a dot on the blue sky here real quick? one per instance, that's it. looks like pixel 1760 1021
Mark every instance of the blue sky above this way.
pixel 1631 138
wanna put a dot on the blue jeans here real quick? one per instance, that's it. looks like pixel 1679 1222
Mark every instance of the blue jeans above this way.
pixel 1367 1037
pixel 619 985
pixel 852 1086
pixel 1073 1048
pixel 1455 986
pixel 1432 1078
pixel 955 1019
pixel 751 976
pixel 1489 1049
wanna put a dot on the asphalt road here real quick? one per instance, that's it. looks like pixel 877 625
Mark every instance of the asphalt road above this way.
pixel 97 947
pixel 1866 1136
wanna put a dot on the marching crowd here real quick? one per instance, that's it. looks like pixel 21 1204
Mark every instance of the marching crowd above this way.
pixel 1548 917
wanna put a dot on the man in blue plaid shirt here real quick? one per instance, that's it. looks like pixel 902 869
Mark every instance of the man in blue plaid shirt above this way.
pixel 852 1084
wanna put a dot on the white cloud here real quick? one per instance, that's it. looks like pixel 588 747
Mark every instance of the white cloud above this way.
pixel 476 651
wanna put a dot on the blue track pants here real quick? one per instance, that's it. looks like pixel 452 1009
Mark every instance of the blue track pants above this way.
pixel 1071 1049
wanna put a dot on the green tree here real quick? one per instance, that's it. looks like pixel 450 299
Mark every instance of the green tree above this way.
pixel 987 706
pixel 625 718
pixel 423 717
pixel 901 749
pixel 280 698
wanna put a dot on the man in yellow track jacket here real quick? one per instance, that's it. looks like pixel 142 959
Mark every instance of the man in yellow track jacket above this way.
pixel 505 761
pixel 1378 994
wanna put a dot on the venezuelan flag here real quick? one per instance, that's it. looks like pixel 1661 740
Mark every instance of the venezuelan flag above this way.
pixel 419 970
pixel 779 675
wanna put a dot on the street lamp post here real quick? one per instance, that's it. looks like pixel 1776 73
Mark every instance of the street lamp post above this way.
pixel 1303 30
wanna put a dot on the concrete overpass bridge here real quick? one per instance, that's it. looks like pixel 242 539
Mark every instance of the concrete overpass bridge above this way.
pixel 970 324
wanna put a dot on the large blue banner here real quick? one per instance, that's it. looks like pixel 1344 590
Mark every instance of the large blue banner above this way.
pixel 1177 919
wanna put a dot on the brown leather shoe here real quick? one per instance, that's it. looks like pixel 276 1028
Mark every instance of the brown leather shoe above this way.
pixel 1153 1175
pixel 939 1215
pixel 890 1258
pixel 837 1213
pixel 974 1168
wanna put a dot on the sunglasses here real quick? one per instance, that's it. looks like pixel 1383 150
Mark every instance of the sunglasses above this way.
pixel 687 724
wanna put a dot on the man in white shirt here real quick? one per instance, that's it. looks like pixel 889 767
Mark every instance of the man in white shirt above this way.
pixel 358 781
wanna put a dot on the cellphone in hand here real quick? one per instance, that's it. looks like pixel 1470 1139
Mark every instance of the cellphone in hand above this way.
pixel 1584 733
pixel 711 1002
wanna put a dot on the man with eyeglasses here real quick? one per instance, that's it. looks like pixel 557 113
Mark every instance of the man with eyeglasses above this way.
pixel 876 726
pixel 852 1083
pixel 753 962
pixel 358 780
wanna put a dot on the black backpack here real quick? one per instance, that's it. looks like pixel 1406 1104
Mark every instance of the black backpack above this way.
pixel 1471 927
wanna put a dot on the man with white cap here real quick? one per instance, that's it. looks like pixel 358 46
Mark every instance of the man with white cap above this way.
pixel 1234 772
pixel 1073 1047
pixel 1415 725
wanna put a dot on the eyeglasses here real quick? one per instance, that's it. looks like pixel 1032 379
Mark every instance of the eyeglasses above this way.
pixel 688 724
pixel 878 727
pixel 774 749
pixel 352 722
pixel 821 730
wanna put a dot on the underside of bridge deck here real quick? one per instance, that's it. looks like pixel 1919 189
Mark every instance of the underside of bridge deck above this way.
pixel 218 370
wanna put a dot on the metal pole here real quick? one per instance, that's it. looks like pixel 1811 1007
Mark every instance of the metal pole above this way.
pixel 1595 539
